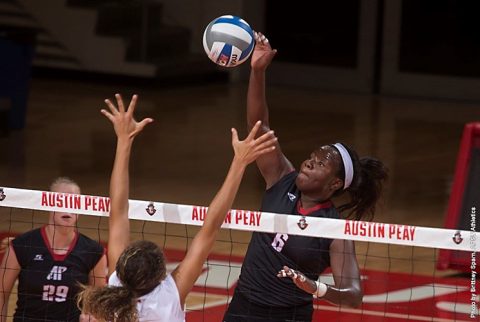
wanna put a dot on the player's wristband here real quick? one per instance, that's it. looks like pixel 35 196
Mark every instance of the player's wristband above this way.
pixel 321 289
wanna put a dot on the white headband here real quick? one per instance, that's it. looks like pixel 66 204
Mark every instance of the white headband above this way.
pixel 347 164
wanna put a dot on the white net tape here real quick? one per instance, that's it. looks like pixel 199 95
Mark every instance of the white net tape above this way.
pixel 247 220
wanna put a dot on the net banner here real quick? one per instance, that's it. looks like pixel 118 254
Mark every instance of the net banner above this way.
pixel 247 220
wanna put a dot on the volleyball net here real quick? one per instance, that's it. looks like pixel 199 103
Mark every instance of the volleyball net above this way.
pixel 398 263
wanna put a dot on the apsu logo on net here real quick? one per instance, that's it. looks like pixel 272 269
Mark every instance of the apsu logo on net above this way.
pixel 151 209
pixel 302 223
pixel 2 194
pixel 457 237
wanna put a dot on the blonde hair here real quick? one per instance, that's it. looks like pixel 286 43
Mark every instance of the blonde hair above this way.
pixel 63 180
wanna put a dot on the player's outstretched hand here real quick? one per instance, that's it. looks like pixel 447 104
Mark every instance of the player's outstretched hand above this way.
pixel 122 119
pixel 300 280
pixel 263 53
pixel 316 288
pixel 251 148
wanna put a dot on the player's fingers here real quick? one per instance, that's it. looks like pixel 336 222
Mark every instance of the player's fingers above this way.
pixel 112 107
pixel 257 37
pixel 268 145
pixel 144 122
pixel 263 39
pixel 253 131
pixel 107 114
pixel 292 274
pixel 120 105
pixel 282 273
pixel 267 136
pixel 264 151
pixel 133 104
pixel 234 135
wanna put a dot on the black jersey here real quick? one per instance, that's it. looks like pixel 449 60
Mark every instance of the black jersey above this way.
pixel 48 283
pixel 267 253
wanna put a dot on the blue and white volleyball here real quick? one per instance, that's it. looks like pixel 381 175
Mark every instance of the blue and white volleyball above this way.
pixel 228 41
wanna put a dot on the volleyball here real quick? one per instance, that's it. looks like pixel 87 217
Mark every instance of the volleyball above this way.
pixel 228 41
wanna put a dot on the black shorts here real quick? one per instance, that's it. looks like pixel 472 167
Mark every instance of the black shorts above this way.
pixel 242 310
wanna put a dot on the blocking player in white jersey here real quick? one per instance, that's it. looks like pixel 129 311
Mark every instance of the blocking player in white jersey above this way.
pixel 139 288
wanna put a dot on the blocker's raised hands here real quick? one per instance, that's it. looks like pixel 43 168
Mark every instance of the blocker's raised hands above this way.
pixel 251 148
pixel 122 119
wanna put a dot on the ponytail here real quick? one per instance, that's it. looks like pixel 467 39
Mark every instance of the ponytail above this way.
pixel 366 187
pixel 140 268
pixel 109 303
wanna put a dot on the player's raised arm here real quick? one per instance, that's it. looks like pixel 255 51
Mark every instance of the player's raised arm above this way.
pixel 126 128
pixel 273 166
pixel 246 151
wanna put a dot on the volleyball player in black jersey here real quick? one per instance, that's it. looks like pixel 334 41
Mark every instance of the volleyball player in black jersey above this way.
pixel 329 171
pixel 49 263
